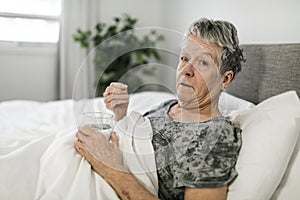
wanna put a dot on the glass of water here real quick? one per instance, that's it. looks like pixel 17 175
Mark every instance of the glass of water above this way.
pixel 99 121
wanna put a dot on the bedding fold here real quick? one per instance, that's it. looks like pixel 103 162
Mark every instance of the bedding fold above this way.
pixel 45 165
pixel 19 167
pixel 64 174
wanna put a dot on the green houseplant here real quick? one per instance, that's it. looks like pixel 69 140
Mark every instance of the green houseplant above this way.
pixel 113 39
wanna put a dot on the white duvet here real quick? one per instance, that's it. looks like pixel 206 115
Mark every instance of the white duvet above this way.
pixel 37 158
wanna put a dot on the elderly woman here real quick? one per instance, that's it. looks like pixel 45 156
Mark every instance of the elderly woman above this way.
pixel 196 148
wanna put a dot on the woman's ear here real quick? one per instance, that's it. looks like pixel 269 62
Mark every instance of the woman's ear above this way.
pixel 227 78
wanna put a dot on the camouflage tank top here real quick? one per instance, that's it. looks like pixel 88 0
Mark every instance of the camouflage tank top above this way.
pixel 192 154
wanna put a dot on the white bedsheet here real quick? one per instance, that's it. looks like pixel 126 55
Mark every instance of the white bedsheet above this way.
pixel 28 128
pixel 66 175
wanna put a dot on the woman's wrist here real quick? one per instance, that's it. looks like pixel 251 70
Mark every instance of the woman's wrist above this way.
pixel 107 171
pixel 120 116
pixel 123 182
pixel 126 185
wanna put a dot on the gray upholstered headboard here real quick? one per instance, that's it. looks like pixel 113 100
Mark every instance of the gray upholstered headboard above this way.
pixel 270 69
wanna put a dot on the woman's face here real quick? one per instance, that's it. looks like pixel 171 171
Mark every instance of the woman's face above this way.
pixel 198 81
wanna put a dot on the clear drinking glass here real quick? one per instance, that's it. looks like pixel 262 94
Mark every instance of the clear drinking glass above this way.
pixel 99 121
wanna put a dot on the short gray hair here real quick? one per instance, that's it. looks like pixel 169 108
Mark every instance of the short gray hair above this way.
pixel 224 35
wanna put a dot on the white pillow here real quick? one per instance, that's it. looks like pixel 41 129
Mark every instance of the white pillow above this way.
pixel 288 188
pixel 229 103
pixel 145 101
pixel 270 133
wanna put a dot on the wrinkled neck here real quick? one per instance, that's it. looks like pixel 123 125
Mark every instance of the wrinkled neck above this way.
pixel 204 111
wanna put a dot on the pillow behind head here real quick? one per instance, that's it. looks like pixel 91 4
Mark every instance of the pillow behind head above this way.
pixel 270 132
pixel 289 185
pixel 229 103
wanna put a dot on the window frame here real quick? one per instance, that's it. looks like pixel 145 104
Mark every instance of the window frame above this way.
pixel 52 18
pixel 29 16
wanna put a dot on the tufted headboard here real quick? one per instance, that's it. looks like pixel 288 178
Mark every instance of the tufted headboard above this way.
pixel 270 69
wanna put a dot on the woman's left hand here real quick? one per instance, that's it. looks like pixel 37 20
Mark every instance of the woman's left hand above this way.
pixel 98 151
pixel 106 160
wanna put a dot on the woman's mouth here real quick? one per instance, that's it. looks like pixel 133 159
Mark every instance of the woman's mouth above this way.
pixel 186 85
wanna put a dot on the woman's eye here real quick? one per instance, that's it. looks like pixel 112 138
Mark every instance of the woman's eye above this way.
pixel 184 58
pixel 203 62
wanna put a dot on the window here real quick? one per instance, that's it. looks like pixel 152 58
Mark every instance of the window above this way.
pixel 30 20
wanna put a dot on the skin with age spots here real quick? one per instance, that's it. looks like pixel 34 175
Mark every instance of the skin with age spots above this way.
pixel 198 82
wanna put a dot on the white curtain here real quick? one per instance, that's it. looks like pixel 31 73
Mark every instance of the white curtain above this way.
pixel 75 14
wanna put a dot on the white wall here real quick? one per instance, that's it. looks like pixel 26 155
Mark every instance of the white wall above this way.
pixel 264 21
pixel 149 13
pixel 31 73
pixel 28 72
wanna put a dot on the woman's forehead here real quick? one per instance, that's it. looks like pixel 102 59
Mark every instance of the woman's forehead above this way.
pixel 195 43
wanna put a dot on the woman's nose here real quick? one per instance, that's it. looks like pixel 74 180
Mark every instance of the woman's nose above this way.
pixel 188 70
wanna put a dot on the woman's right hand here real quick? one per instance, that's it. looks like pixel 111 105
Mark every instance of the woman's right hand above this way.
pixel 116 99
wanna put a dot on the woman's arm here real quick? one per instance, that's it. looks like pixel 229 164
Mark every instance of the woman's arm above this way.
pixel 106 160
pixel 124 183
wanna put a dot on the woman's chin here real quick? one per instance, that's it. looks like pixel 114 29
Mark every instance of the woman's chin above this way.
pixel 185 97
pixel 188 102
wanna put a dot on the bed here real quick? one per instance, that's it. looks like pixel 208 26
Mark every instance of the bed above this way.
pixel 263 100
